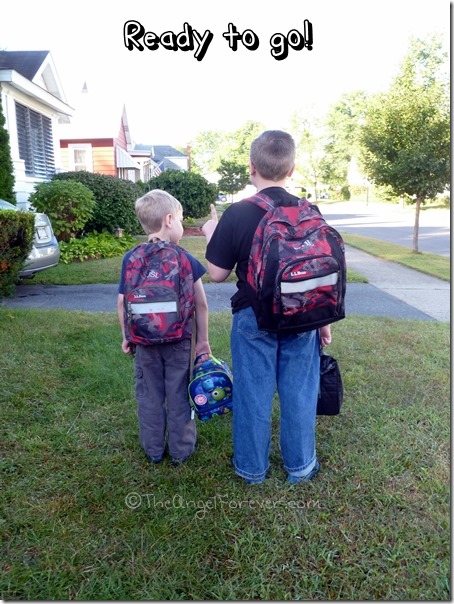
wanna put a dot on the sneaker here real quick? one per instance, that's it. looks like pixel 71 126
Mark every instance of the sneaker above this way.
pixel 156 459
pixel 177 461
pixel 310 476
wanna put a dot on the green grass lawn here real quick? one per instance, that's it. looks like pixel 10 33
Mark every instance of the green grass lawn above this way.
pixel 430 264
pixel 108 270
pixel 86 517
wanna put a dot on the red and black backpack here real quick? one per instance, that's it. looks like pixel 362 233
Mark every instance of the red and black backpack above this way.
pixel 296 278
pixel 159 297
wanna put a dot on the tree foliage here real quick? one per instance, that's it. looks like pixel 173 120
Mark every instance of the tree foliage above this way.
pixel 17 230
pixel 309 146
pixel 342 126
pixel 207 150
pixel 6 163
pixel 212 146
pixel 234 176
pixel 240 142
pixel 192 190
pixel 406 135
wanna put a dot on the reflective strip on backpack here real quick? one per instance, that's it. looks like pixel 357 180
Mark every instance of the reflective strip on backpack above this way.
pixel 294 287
pixel 153 308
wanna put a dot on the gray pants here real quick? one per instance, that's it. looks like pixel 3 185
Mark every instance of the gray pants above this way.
pixel 162 377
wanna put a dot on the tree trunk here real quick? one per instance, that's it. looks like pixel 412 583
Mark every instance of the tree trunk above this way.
pixel 419 200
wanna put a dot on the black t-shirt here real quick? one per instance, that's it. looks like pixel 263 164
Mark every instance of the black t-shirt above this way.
pixel 231 242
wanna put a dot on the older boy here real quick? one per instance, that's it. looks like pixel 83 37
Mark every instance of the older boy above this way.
pixel 260 360
pixel 162 370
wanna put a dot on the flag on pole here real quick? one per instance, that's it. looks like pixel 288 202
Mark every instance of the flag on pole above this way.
pixel 156 171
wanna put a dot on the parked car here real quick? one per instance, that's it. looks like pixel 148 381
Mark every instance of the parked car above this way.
pixel 45 252
pixel 221 197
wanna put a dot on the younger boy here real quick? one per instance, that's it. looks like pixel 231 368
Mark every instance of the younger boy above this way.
pixel 162 370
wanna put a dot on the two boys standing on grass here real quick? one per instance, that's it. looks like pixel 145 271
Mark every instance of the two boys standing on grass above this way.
pixel 261 361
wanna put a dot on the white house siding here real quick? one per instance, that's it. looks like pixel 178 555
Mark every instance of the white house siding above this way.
pixel 25 185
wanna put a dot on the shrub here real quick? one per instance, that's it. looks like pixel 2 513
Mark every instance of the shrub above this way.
pixel 69 206
pixel 16 240
pixel 193 191
pixel 95 246
pixel 345 193
pixel 6 163
pixel 114 201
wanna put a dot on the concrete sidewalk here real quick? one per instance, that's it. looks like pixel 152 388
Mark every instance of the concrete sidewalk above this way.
pixel 427 294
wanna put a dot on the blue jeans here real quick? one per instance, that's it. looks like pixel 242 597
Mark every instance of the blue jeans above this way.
pixel 262 362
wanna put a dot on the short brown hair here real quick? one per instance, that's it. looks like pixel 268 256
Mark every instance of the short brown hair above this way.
pixel 273 154
pixel 153 207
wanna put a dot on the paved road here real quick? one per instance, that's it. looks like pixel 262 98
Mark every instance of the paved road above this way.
pixel 361 299
pixel 392 223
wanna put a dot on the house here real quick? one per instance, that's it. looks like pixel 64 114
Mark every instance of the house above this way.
pixel 48 136
pixel 33 105
pixel 98 139
pixel 155 159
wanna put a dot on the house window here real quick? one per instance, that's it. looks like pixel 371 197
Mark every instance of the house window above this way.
pixel 81 157
pixel 36 149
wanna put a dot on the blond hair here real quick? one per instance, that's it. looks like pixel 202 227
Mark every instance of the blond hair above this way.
pixel 152 208
pixel 273 154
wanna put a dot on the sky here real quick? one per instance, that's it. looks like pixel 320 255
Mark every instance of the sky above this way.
pixel 172 95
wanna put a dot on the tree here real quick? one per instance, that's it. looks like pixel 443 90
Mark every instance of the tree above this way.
pixel 406 135
pixel 234 176
pixel 308 141
pixel 211 146
pixel 6 163
pixel 342 125
pixel 207 150
pixel 240 142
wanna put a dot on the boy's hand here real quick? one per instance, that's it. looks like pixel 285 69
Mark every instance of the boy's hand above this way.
pixel 127 347
pixel 202 348
pixel 325 335
pixel 211 224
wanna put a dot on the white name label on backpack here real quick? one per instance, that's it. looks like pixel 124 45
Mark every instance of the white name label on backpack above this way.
pixel 293 287
pixel 153 308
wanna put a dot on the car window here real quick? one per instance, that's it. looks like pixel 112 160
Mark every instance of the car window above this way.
pixel 5 205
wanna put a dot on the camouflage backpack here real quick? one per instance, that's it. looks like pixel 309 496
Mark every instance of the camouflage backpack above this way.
pixel 296 276
pixel 159 298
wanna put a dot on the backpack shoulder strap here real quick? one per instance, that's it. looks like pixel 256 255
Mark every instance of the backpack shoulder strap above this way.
pixel 262 200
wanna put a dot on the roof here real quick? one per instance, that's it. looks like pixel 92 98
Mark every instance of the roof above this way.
pixel 147 148
pixel 33 73
pixel 25 62
pixel 124 160
pixel 163 151
pixel 159 152
pixel 167 164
